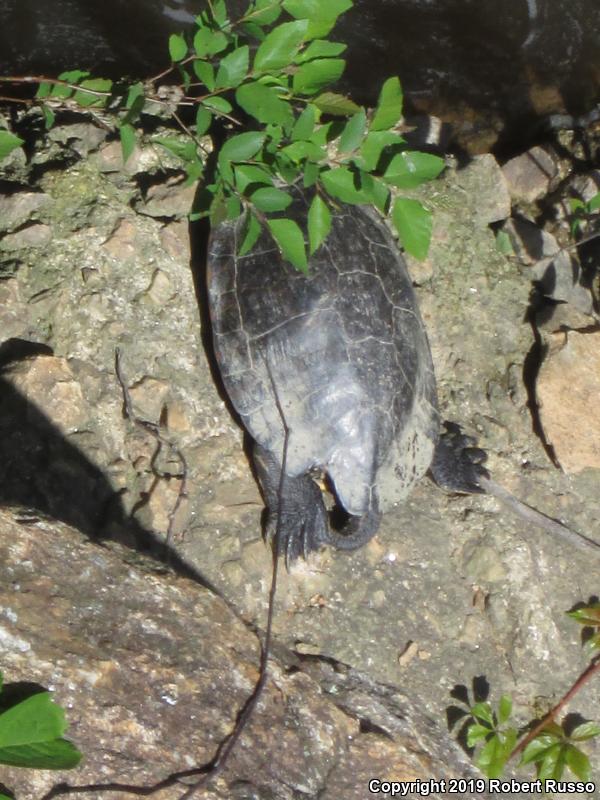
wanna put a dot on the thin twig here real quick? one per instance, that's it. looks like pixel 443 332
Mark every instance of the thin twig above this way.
pixel 226 747
pixel 154 430
pixel 536 517
pixel 55 82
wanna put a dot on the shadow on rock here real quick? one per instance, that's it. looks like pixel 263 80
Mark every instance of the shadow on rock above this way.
pixel 43 474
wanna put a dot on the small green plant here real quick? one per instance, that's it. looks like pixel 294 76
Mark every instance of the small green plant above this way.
pixel 582 213
pixel 489 729
pixel 260 87
pixel 551 747
pixel 31 734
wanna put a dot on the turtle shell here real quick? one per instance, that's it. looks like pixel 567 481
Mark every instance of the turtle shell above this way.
pixel 341 353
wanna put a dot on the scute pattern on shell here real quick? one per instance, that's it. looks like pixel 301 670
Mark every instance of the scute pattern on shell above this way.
pixel 347 352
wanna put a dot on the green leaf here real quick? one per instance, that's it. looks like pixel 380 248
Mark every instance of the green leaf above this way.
pixel 233 68
pixel 389 106
pixel 374 190
pixel 537 748
pixel 242 146
pixel 593 643
pixel 183 148
pixel 251 234
pixel 205 72
pixel 323 134
pixel 316 75
pixel 49 117
pixel 504 244
pixel 219 12
pixel 249 174
pixel 297 151
pixel 487 760
pixel 264 103
pixel 233 207
pixel 53 754
pixel 336 104
pixel 411 168
pixel 305 124
pixel 413 223
pixel 36 719
pixel 495 753
pixel 475 733
pixel 587 730
pixel 134 103
pixel 127 136
pixel 504 709
pixel 319 223
pixel 269 199
pixel 45 90
pixel 264 12
pixel 589 615
pixel 203 120
pixel 135 93
pixel 239 148
pixel 209 43
pixel 194 170
pixel 290 241
pixel 5 797
pixel 321 48
pixel 322 15
pixel 252 31
pixel 353 132
pixel 578 763
pixel 287 168
pixel 177 47
pixel 73 75
pixel 483 712
pixel 280 46
pixel 8 143
pixel 310 174
pixel 549 765
pixel 218 104
pixel 374 144
pixel 86 99
pixel 342 183
pixel 593 204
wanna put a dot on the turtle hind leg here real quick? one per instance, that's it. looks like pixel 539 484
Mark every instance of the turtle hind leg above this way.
pixel 457 464
pixel 300 512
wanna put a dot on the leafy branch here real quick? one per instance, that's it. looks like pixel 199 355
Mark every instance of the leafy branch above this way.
pixel 550 746
pixel 268 74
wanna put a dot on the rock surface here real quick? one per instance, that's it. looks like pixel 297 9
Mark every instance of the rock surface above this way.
pixel 452 588
pixel 153 668
pixel 568 388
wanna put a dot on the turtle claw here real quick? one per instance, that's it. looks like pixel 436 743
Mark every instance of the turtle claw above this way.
pixel 457 464
pixel 303 528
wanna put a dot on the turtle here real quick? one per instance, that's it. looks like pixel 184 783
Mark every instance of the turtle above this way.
pixel 330 372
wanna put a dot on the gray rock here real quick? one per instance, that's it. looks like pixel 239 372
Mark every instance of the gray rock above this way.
pixel 36 235
pixel 17 209
pixel 530 175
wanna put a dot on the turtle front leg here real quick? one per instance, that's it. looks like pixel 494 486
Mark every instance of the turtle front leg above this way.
pixel 303 520
pixel 457 464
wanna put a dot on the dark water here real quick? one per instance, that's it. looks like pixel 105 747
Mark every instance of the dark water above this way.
pixel 493 68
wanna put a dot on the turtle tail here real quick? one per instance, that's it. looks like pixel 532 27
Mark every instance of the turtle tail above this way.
pixel 357 530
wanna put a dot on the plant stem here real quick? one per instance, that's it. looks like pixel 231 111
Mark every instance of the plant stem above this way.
pixel 550 717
